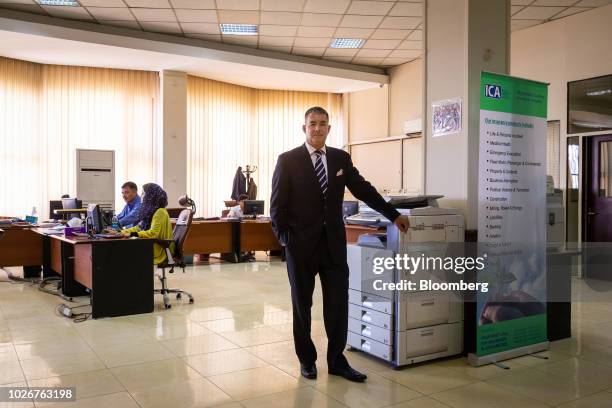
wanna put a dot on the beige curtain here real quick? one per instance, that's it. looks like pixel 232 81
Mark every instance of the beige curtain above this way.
pixel 63 108
pixel 230 126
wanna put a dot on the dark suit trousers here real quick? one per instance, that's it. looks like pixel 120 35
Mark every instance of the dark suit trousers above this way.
pixel 334 283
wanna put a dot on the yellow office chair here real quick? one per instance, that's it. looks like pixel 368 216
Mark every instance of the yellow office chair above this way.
pixel 183 223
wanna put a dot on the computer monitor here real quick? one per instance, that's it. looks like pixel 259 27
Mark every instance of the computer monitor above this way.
pixel 55 205
pixel 349 208
pixel 95 222
pixel 253 207
pixel 71 203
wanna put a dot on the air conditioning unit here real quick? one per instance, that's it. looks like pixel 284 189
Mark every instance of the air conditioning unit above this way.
pixel 96 177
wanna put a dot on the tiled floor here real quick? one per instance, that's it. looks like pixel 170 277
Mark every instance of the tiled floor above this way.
pixel 233 348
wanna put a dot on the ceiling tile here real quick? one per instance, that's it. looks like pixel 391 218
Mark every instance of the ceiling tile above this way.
pixel 315 31
pixel 245 40
pixel 407 9
pixel 237 4
pixel 280 18
pixel 196 16
pixel 367 61
pixel 238 17
pixel 122 23
pixel 277 30
pixel 275 41
pixel 148 14
pixel 207 37
pixel 102 3
pixel 593 3
pixel 387 34
pixel 405 53
pixel 382 44
pixel 111 13
pixel 78 13
pixel 353 33
pixel 194 4
pixel 520 24
pixel 326 6
pixel 373 53
pixel 311 42
pixel 537 13
pixel 282 5
pixel 370 8
pixel 571 11
pixel 161 27
pixel 411 45
pixel 148 3
pixel 402 23
pixel 309 52
pixel 515 9
pixel 339 59
pixel 554 2
pixel 201 28
pixel 361 21
pixel 340 52
pixel 321 20
pixel 286 50
pixel 416 35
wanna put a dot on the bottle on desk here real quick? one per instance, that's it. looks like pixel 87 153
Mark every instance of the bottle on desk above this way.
pixel 115 223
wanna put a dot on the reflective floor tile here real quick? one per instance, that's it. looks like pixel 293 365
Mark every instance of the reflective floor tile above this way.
pixel 484 395
pixel 132 353
pixel 421 402
pixel 222 362
pixel 189 346
pixel 584 371
pixel 192 393
pixel 255 382
pixel 154 374
pixel 24 404
pixel 10 372
pixel 428 379
pixel 600 400
pixel 7 353
pixel 479 373
pixel 39 367
pixel 119 400
pixel 88 384
pixel 52 348
pixel 259 335
pixel 305 397
pixel 175 331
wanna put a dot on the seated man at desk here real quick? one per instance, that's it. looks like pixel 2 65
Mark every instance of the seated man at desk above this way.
pixel 153 220
pixel 128 217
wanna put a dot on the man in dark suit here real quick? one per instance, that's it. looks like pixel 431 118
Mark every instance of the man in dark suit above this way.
pixel 306 212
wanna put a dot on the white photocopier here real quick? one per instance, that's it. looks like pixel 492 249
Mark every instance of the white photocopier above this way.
pixel 404 327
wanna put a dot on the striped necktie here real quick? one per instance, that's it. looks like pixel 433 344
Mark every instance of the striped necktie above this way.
pixel 320 173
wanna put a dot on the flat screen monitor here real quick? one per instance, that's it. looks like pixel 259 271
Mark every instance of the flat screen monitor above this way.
pixel 253 207
pixel 55 205
pixel 589 105
pixel 349 208
pixel 71 203
pixel 95 222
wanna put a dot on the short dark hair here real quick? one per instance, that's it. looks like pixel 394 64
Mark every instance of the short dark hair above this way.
pixel 131 185
pixel 318 110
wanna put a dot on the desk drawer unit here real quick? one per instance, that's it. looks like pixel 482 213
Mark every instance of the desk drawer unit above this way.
pixel 373 347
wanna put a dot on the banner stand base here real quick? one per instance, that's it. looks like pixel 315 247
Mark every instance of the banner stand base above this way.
pixel 477 361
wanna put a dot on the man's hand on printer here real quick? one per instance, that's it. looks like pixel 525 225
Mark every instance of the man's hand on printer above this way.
pixel 402 222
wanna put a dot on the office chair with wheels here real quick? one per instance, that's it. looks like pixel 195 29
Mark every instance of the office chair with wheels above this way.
pixel 183 223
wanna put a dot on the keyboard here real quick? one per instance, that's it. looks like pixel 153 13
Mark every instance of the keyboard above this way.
pixel 108 236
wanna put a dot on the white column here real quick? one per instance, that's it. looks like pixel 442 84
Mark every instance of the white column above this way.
pixel 174 134
pixel 462 38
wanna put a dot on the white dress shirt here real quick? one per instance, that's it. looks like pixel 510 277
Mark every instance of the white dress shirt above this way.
pixel 313 157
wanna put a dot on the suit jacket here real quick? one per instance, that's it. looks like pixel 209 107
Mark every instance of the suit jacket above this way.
pixel 299 211
pixel 239 184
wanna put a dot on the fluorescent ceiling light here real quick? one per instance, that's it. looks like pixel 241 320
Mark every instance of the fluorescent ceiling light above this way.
pixel 239 29
pixel 599 93
pixel 347 43
pixel 72 3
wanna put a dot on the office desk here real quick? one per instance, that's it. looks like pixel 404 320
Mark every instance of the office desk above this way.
pixel 257 235
pixel 208 237
pixel 117 272
pixel 21 246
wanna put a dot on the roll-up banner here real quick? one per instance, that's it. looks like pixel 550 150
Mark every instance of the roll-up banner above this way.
pixel 511 316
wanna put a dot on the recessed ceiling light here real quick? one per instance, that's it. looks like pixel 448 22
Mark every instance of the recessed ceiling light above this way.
pixel 347 43
pixel 239 29
pixel 72 3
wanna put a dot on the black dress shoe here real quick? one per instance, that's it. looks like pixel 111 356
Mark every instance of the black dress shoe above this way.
pixel 349 373
pixel 308 371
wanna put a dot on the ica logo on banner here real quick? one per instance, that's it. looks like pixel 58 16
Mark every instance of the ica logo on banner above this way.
pixel 493 91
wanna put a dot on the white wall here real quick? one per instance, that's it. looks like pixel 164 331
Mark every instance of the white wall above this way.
pixel 569 49
pixel 381 112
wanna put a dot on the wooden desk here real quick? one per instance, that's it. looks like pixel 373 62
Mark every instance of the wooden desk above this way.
pixel 257 235
pixel 117 272
pixel 20 246
pixel 209 237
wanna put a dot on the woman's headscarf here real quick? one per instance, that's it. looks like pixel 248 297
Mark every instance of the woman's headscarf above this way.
pixel 154 198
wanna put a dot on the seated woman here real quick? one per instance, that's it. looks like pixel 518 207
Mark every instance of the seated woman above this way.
pixel 153 220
